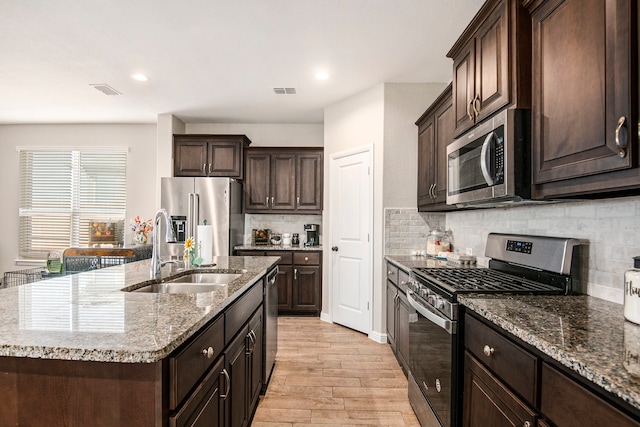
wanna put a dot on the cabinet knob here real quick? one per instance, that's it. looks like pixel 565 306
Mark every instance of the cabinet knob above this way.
pixel 306 258
pixel 488 351
pixel 335 249
pixel 526 424
pixel 208 352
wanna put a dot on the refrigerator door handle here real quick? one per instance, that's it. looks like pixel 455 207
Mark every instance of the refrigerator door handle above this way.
pixel 192 214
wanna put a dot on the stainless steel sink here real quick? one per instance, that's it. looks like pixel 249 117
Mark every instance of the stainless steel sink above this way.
pixel 192 283
pixel 209 278
pixel 180 288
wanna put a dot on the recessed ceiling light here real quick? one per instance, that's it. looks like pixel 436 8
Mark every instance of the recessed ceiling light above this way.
pixel 139 77
pixel 322 75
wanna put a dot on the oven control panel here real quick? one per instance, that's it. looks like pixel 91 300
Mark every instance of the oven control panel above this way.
pixel 519 246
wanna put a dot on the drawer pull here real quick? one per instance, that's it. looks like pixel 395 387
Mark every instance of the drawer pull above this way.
pixel 228 385
pixel 208 352
pixel 488 351
pixel 526 424
pixel 306 258
pixel 389 273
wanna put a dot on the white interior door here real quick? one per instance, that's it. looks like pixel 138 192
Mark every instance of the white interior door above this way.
pixel 351 202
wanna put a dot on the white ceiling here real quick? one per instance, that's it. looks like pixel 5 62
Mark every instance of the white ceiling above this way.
pixel 212 60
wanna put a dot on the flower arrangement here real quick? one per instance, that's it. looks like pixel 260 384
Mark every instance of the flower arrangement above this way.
pixel 138 225
pixel 190 253
pixel 140 229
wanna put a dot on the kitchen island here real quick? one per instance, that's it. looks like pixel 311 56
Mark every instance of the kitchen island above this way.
pixel 84 350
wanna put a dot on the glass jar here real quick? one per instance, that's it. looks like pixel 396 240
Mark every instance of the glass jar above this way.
pixel 437 241
pixel 632 292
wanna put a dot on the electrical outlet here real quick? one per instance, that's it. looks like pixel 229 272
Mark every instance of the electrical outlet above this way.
pixel 468 251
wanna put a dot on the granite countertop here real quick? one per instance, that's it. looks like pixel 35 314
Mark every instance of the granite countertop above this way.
pixel 87 316
pixel 277 248
pixel 407 262
pixel 586 334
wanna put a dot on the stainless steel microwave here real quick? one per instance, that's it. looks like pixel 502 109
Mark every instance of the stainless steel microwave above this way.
pixel 491 164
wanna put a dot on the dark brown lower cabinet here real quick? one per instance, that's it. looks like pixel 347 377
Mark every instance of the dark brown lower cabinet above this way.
pixel 398 314
pixel 243 364
pixel 203 408
pixel 506 384
pixel 299 280
pixel 236 401
pixel 569 404
pixel 488 402
pixel 254 364
pixel 306 289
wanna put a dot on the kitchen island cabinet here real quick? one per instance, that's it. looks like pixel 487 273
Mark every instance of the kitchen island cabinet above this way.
pixel 129 358
pixel 547 360
pixel 585 130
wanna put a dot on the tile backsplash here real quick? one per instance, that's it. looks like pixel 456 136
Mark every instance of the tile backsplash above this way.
pixel 280 224
pixel 406 229
pixel 608 229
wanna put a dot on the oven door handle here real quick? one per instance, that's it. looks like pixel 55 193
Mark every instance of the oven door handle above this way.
pixel 431 314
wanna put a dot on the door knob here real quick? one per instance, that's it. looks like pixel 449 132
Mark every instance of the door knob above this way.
pixel 334 249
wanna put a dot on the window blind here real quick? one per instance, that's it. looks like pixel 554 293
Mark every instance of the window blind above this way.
pixel 62 192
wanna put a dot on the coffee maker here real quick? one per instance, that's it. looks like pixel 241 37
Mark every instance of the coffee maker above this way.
pixel 313 238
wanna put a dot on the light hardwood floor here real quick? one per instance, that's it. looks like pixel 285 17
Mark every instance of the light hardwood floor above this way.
pixel 330 375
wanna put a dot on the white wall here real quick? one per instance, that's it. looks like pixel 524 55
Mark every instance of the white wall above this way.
pixel 141 169
pixel 266 135
pixel 355 122
pixel 404 103
pixel 383 116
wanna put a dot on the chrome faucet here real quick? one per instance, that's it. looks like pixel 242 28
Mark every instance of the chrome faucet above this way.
pixel 170 237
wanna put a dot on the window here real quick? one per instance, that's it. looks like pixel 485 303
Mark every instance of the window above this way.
pixel 62 192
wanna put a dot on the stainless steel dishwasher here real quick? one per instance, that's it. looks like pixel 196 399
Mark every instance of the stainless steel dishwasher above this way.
pixel 270 325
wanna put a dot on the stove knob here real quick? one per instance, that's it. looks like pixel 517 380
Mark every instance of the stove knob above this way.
pixel 432 299
pixel 439 303
pixel 424 292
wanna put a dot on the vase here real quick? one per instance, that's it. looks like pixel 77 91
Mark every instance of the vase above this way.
pixel 140 237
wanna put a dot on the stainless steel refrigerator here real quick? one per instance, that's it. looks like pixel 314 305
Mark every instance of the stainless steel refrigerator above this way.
pixel 189 201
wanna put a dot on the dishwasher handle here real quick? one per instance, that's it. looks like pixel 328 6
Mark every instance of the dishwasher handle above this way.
pixel 272 276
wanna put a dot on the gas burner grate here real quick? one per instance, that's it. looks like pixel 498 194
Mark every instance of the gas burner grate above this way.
pixel 484 280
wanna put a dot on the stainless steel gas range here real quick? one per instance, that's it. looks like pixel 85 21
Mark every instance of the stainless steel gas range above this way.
pixel 519 264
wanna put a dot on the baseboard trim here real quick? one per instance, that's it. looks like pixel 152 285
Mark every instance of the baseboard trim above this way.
pixel 378 337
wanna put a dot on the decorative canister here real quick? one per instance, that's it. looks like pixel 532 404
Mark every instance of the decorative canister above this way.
pixel 632 292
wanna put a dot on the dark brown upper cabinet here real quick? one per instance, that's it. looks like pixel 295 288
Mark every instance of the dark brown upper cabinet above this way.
pixel 491 63
pixel 585 97
pixel 283 180
pixel 435 132
pixel 209 155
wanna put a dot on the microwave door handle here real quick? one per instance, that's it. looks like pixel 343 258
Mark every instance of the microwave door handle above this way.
pixel 485 160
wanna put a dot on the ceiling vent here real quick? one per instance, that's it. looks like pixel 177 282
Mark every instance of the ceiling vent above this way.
pixel 284 90
pixel 106 89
